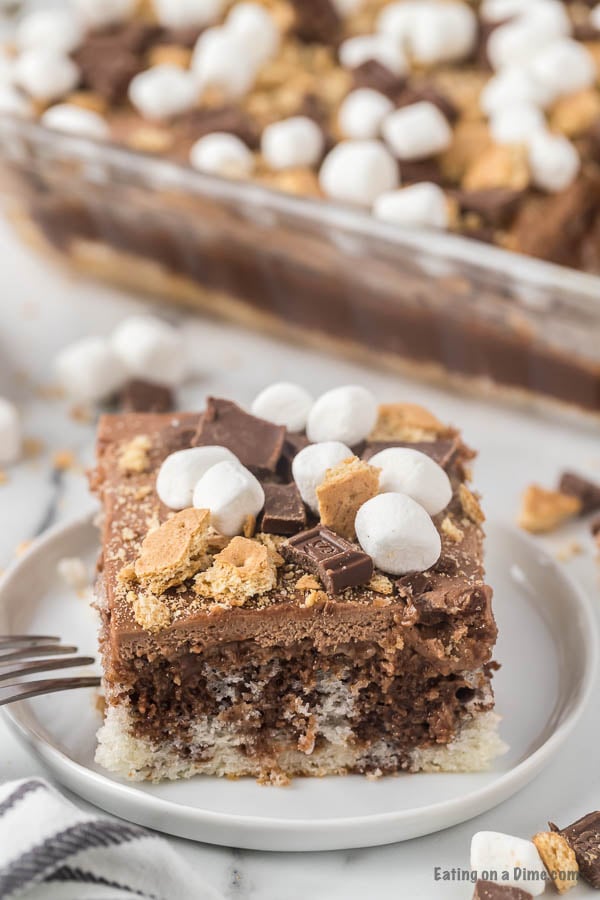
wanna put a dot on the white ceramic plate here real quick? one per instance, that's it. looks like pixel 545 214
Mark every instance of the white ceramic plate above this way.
pixel 546 628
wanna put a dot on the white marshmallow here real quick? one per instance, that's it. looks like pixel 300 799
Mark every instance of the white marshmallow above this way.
pixel 442 32
pixel 553 160
pixel 151 348
pixel 297 141
pixel 417 131
pixel 422 205
pixel 222 60
pixel 493 851
pixel 345 414
pixel 595 16
pixel 511 86
pixel 397 20
pixel 563 67
pixel 348 7
pixel 72 119
pixel 7 67
pixel 499 10
pixel 15 103
pixel 518 40
pixel 49 29
pixel 516 124
pixel 231 493
pixel 10 433
pixel 224 154
pixel 181 471
pixel 284 403
pixel 361 113
pixel 398 534
pixel 99 13
pixel 378 47
pixel 358 172
pixel 310 466
pixel 256 27
pixel 46 75
pixel 550 16
pixel 162 92
pixel 90 369
pixel 188 13
pixel 407 471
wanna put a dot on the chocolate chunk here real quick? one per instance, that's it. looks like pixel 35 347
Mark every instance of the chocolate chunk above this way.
pixel 337 562
pixel 583 836
pixel 316 21
pixel 283 512
pixel 430 94
pixel 146 397
pixel 293 444
pixel 584 490
pixel 201 121
pixel 110 58
pixel 414 584
pixel 373 74
pixel 490 890
pixel 416 170
pixel 496 206
pixel 256 442
pixel 446 565
pixel 442 451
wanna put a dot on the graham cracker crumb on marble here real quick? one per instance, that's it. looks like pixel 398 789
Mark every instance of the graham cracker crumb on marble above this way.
pixel 406 422
pixel 543 511
pixel 381 584
pixel 242 570
pixel 559 858
pixel 63 460
pixel 3 477
pixel 343 491
pixel 32 447
pixel 470 505
pixel 451 530
pixel 308 583
pixel 150 612
pixel 569 551
pixel 134 456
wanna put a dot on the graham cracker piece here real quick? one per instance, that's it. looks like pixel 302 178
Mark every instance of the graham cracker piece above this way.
pixel 559 858
pixel 308 583
pixel 543 511
pixel 344 490
pixel 176 550
pixel 470 505
pixel 499 166
pixel 149 611
pixel 314 597
pixel 381 584
pixel 244 569
pixel 406 422
pixel 134 455
pixel 451 530
pixel 574 114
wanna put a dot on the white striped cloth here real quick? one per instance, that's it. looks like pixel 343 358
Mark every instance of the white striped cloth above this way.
pixel 51 850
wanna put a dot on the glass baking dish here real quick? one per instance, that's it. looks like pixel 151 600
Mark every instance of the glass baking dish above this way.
pixel 438 306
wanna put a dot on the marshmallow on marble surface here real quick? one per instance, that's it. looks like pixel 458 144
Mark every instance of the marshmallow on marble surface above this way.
pixel 284 403
pixel 442 32
pixel 188 13
pixel 513 85
pixel 297 141
pixel 152 349
pixel 14 103
pixel 223 61
pixel 257 28
pixel 231 493
pixel 90 369
pixel 72 119
pixel 553 160
pixel 358 172
pixel 163 91
pixel 310 466
pixel 398 534
pixel 361 113
pixel 46 75
pixel 101 13
pixel 516 124
pixel 408 471
pixel 492 851
pixel 563 67
pixel 49 29
pixel 417 131
pixel 517 40
pixel 422 205
pixel 221 153
pixel 181 471
pixel 10 433
pixel 377 47
pixel 347 414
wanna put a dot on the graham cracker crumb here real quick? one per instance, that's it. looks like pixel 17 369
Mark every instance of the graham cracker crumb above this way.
pixel 272 542
pixel 150 612
pixel 559 858
pixel 452 531
pixel 381 584
pixel 308 583
pixel 142 492
pixel 242 570
pixel 249 526
pixel 543 511
pixel 82 414
pixel 343 491
pixel 134 456
pixel 176 550
pixel 379 602
pixel 32 447
pixel 127 573
pixel 128 534
pixel 63 460
pixel 3 477
pixel 73 571
pixel 314 597
pixel 406 422
pixel 470 505
pixel 568 551
pixel 498 166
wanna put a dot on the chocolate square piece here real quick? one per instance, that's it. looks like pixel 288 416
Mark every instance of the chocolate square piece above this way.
pixel 256 442
pixel 490 890
pixel 584 490
pixel 284 511
pixel 584 837
pixel 146 397
pixel 337 562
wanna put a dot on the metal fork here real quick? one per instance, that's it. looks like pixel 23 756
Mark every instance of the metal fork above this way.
pixel 18 654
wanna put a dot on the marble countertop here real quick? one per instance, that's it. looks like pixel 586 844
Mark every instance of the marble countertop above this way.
pixel 41 310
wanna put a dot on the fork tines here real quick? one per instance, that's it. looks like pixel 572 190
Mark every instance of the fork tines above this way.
pixel 20 655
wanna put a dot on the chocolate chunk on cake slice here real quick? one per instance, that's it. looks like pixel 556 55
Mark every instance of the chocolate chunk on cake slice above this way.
pixel 241 635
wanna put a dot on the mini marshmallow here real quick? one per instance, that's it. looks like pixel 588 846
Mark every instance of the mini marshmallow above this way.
pixel 348 7
pixel 397 20
pixel 15 103
pixel 188 13
pixel 563 67
pixel 422 205
pixel 358 172
pixel 595 17
pixel 7 67
pixel 150 348
pixel 181 471
pixel 162 92
pixel 442 32
pixel 297 141
pixel 224 154
pixel 284 403
pixel 223 61
pixel 492 851
pixel 417 131
pixel 310 466
pixel 361 113
pixel 517 40
pixel 511 86
pixel 398 534
pixel 46 75
pixel 10 433
pixel 257 28
pixel 90 369
pixel 49 29
pixel 500 10
pixel 72 119
pixel 347 414
pixel 377 47
pixel 101 13
pixel 516 124
pixel 231 493
pixel 553 160
pixel 407 471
